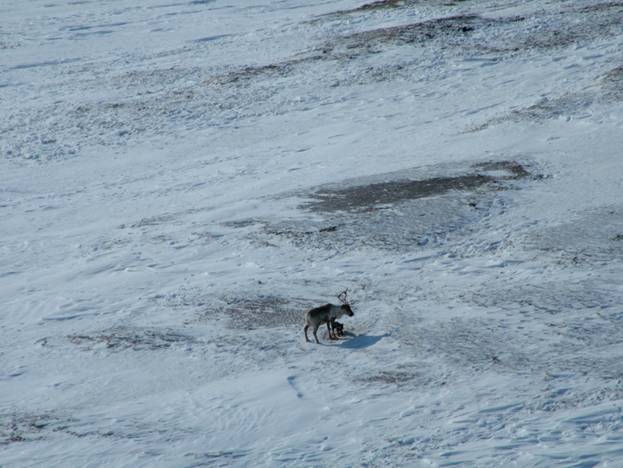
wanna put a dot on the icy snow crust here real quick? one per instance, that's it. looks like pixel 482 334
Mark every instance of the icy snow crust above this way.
pixel 180 181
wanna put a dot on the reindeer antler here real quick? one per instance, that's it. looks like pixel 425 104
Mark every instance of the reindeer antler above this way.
pixel 343 296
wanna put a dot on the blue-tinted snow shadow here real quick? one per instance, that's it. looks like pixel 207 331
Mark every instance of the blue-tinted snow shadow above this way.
pixel 362 341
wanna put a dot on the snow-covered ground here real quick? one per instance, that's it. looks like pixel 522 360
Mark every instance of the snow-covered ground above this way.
pixel 181 180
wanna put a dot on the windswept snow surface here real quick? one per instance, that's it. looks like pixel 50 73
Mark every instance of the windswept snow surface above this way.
pixel 180 180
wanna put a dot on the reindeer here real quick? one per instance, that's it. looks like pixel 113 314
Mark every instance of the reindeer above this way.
pixel 327 313
pixel 338 328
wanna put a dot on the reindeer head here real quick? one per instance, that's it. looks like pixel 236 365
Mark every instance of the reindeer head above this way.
pixel 343 297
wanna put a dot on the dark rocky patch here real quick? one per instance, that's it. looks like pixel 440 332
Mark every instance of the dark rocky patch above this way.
pixel 25 427
pixel 451 28
pixel 390 377
pixel 557 30
pixel 513 169
pixel 402 211
pixel 118 339
pixel 367 197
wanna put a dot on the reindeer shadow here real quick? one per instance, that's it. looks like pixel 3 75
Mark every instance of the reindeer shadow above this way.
pixel 362 341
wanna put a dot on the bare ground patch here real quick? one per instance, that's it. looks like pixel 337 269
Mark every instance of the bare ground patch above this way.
pixel 366 197
pixel 450 28
pixel 542 30
pixel 388 377
pixel 136 339
pixel 24 427
pixel 346 47
pixel 18 427
pixel 499 36
pixel 401 211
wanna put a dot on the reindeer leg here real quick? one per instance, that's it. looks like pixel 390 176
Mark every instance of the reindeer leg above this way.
pixel 315 331
pixel 305 330
pixel 331 337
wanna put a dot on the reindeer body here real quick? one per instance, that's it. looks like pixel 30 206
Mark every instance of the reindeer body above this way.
pixel 327 313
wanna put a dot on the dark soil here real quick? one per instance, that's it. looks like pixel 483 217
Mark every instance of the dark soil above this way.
pixel 365 197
